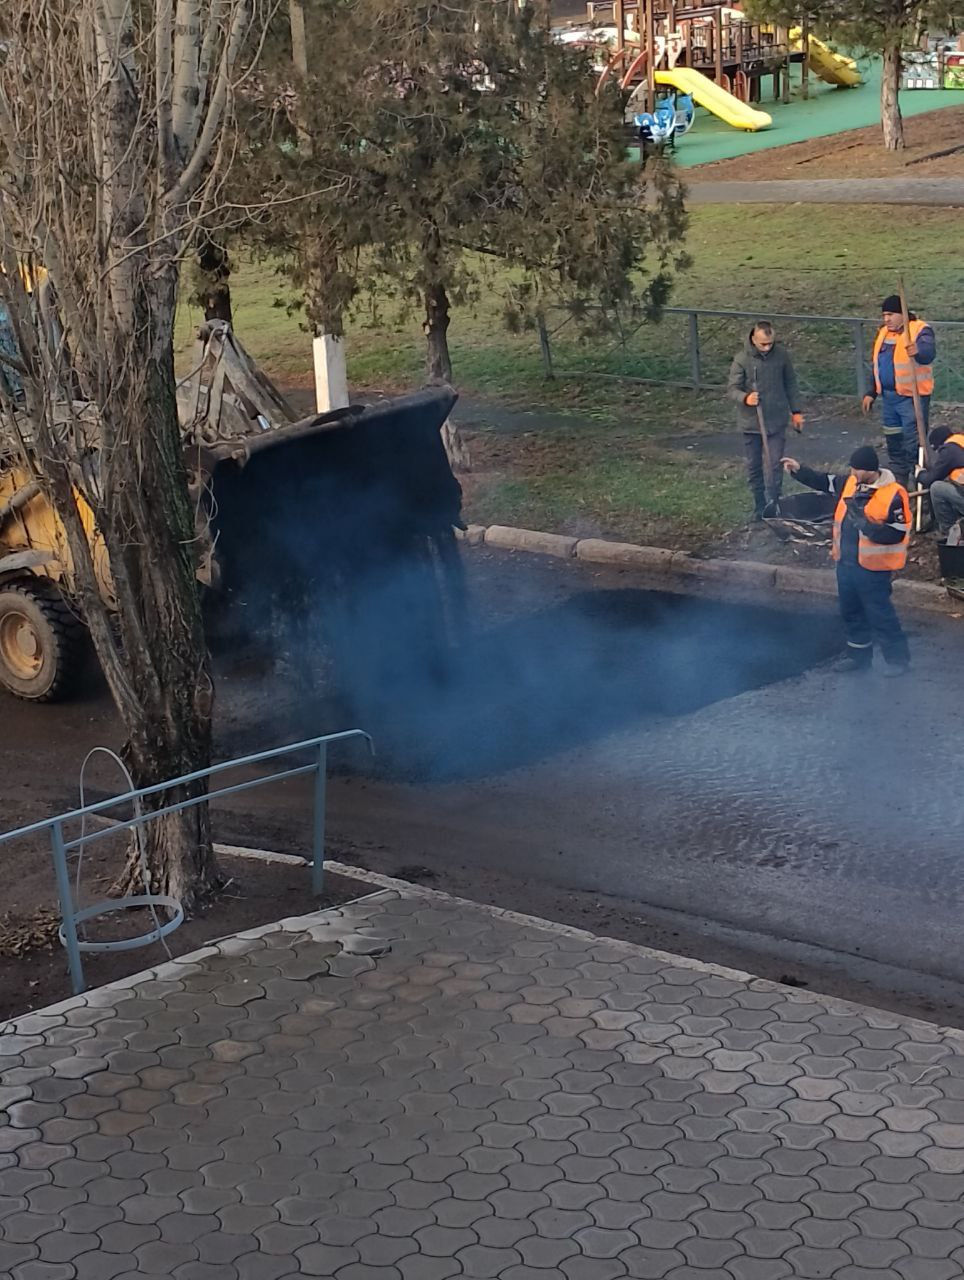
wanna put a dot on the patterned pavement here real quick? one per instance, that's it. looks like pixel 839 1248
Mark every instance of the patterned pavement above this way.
pixel 417 1088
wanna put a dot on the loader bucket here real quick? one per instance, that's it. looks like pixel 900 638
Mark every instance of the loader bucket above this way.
pixel 315 518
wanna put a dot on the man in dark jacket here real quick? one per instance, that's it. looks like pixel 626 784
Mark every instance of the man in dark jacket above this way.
pixel 763 381
pixel 945 477
pixel 871 532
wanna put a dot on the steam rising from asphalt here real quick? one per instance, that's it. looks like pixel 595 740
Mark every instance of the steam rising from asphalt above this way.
pixel 534 682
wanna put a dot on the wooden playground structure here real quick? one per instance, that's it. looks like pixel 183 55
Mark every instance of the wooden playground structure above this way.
pixel 657 41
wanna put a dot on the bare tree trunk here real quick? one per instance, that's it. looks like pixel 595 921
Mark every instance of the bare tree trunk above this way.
pixel 438 357
pixel 436 328
pixel 136 97
pixel 167 697
pixel 891 120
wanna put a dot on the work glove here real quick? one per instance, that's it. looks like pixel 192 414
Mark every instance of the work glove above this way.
pixel 867 404
pixel 797 421
pixel 752 399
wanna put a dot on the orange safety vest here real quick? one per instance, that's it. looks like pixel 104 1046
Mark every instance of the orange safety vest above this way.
pixel 905 365
pixel 957 475
pixel 874 555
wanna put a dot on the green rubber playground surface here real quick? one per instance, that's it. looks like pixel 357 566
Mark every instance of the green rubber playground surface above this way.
pixel 828 110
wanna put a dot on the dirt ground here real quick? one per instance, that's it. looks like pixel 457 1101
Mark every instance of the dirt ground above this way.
pixel 935 148
pixel 33 971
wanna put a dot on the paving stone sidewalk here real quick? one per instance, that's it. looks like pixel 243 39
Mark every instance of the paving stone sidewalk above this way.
pixel 417 1088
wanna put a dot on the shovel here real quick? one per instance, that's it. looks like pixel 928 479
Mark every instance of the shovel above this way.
pixel 767 467
pixel 918 411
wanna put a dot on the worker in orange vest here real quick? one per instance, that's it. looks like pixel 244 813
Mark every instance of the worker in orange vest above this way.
pixel 871 531
pixel 945 477
pixel 897 357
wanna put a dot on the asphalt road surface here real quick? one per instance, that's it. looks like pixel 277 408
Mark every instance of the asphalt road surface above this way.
pixel 693 763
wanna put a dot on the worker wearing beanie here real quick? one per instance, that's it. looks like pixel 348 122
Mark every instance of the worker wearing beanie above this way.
pixel 897 357
pixel 871 530
pixel 945 477
pixel 763 383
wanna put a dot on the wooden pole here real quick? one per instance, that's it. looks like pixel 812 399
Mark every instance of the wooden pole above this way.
pixel 805 65
pixel 619 13
pixel 918 407
pixel 718 40
pixel 648 37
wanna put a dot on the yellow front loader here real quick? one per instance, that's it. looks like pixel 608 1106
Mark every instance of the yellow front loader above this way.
pixel 298 519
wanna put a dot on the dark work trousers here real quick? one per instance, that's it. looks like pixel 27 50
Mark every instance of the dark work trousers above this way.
pixel 764 488
pixel 900 432
pixel 869 616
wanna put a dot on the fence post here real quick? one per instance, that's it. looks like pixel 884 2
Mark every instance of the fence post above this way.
pixel 67 908
pixel 860 368
pixel 544 345
pixel 696 369
pixel 318 827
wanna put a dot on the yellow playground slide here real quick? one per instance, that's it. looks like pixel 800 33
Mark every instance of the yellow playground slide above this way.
pixel 829 66
pixel 714 98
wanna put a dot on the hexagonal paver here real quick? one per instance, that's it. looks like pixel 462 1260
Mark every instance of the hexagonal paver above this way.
pixel 412 1088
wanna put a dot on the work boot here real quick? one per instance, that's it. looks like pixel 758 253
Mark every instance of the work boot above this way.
pixel 894 669
pixel 852 663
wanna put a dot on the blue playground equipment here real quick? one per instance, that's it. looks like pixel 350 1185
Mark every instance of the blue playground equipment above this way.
pixel 672 117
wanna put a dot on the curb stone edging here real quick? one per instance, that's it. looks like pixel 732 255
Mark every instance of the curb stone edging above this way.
pixel 382 885
pixel 684 573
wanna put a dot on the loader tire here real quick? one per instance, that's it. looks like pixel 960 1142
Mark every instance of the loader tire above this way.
pixel 42 642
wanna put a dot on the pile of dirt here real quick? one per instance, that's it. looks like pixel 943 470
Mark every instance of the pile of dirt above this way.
pixel 934 149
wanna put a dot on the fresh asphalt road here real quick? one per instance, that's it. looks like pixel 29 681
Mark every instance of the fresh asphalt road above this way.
pixel 669 752
pixel 696 758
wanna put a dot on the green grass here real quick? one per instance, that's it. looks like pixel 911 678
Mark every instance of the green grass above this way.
pixel 588 456
pixel 600 479
pixel 830 259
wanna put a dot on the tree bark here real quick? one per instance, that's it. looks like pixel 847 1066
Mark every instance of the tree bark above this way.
pixel 214 271
pixel 436 329
pixel 439 369
pixel 438 358
pixel 891 120
pixel 166 702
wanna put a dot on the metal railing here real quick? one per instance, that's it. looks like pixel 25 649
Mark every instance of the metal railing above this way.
pixel 62 848
pixel 691 347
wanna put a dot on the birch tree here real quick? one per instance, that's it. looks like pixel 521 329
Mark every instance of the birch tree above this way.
pixel 113 151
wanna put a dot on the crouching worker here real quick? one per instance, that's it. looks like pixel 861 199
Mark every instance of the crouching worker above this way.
pixel 871 530
pixel 945 477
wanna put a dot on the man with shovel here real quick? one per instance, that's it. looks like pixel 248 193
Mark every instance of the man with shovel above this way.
pixel 763 383
pixel 903 378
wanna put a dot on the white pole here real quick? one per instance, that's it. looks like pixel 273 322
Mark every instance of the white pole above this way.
pixel 331 377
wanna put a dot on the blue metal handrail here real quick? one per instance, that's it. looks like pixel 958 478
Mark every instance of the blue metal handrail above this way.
pixel 61 848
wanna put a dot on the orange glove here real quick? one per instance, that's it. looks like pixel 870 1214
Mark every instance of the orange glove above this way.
pixel 753 399
pixel 797 420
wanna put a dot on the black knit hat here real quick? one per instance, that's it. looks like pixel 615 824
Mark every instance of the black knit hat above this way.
pixel 892 303
pixel 865 459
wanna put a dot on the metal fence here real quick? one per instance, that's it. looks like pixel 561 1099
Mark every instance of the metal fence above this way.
pixel 690 347
pixel 64 849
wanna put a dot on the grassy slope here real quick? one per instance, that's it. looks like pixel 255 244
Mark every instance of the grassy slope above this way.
pixel 599 465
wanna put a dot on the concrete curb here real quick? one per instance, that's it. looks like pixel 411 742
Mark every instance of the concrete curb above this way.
pixel 683 573
pixel 380 885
